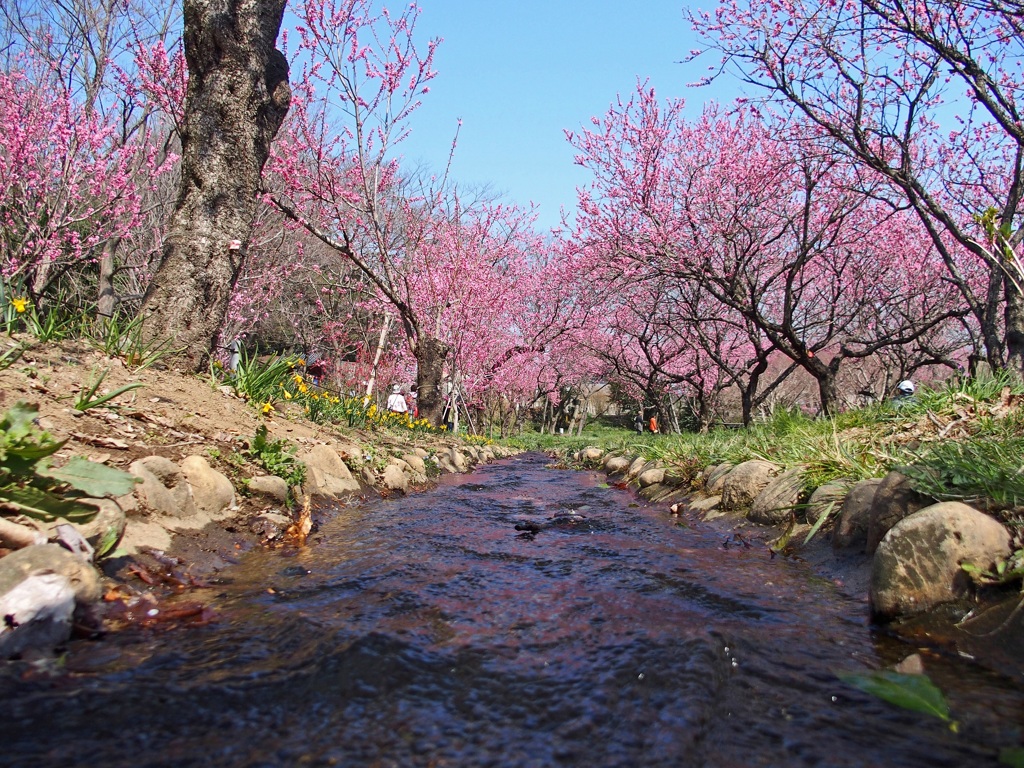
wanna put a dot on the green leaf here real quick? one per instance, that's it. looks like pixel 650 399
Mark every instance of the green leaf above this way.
pixel 45 506
pixel 92 478
pixel 914 692
pixel 1012 756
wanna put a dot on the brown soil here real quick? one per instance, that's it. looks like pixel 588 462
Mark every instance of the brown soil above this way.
pixel 174 414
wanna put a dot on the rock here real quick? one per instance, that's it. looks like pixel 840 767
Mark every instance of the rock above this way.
pixel 270 487
pixel 917 564
pixel 37 613
pixel 51 558
pixel 894 500
pixel 615 465
pixel 395 479
pixel 458 460
pixel 421 452
pixel 164 488
pixel 416 464
pixel 16 536
pixel 851 531
pixel 271 525
pixel 591 455
pixel 912 665
pixel 367 476
pixel 105 530
pixel 142 535
pixel 212 491
pixel 714 482
pixel 708 508
pixel 743 482
pixel 326 474
pixel 636 467
pixel 652 476
pixel 779 500
pixel 828 497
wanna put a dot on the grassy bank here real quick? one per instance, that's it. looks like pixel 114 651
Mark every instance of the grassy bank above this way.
pixel 963 442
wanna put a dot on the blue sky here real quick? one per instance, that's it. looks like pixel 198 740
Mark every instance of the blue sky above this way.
pixel 520 72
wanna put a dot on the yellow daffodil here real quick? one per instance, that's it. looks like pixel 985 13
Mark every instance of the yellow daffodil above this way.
pixel 20 304
pixel 287 395
pixel 267 407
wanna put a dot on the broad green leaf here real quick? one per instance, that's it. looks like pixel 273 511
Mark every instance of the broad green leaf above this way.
pixel 914 692
pixel 1012 756
pixel 43 505
pixel 92 478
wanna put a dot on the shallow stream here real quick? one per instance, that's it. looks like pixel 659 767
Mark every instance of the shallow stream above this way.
pixel 429 631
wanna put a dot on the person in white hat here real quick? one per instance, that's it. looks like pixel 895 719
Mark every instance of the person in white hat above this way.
pixel 904 391
pixel 396 403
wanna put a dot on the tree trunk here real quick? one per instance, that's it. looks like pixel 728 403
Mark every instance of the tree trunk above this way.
pixel 236 100
pixel 430 357
pixel 1013 314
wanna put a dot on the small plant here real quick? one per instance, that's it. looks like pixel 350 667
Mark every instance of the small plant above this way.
pixel 123 337
pixel 276 457
pixel 260 382
pixel 87 397
pixel 29 486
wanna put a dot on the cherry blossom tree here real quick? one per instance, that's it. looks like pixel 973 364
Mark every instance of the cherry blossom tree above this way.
pixel 922 94
pixel 771 227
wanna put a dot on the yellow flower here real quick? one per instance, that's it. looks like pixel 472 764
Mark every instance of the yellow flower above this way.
pixel 287 395
pixel 20 304
pixel 303 388
pixel 267 407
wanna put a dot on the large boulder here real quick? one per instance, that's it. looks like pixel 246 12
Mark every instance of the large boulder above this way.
pixel 827 498
pixel 918 562
pixel 779 500
pixel 894 500
pixel 851 531
pixel 164 488
pixel 326 474
pixel 714 478
pixel 745 481
pixel 212 491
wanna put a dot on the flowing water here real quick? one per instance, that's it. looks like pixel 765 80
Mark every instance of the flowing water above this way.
pixel 429 631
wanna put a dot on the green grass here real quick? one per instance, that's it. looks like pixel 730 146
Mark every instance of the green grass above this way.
pixel 979 458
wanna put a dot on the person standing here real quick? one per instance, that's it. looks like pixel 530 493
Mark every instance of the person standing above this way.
pixel 396 403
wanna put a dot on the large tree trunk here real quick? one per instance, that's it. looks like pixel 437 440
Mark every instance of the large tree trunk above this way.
pixel 236 100
pixel 430 356
pixel 1013 314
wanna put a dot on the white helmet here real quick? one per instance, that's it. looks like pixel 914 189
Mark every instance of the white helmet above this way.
pixel 906 387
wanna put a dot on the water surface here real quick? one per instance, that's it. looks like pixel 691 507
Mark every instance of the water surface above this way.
pixel 429 631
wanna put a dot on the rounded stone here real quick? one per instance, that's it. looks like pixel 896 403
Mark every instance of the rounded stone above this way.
pixel 918 562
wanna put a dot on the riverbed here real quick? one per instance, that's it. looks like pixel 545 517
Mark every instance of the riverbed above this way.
pixel 517 616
